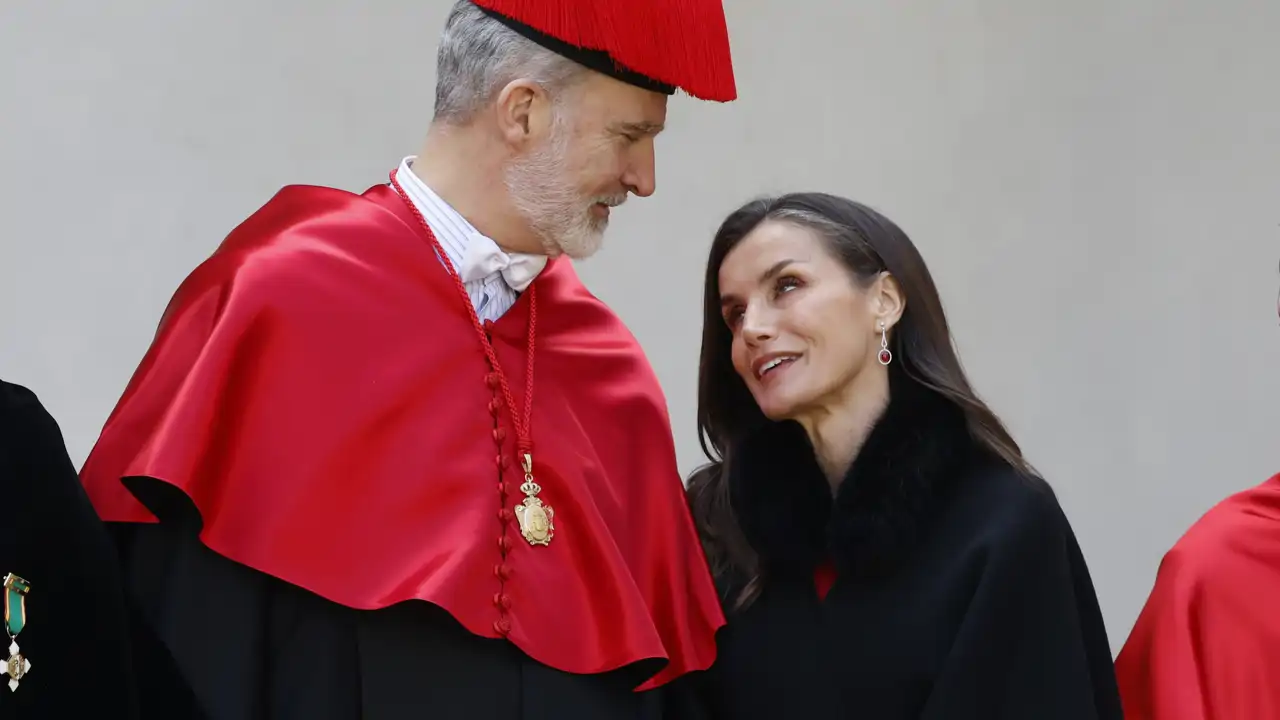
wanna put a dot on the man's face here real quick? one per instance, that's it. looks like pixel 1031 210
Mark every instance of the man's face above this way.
pixel 599 150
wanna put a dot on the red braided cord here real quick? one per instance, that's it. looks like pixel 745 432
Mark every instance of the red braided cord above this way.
pixel 524 440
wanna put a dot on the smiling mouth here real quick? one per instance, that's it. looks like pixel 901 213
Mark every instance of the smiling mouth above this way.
pixel 777 362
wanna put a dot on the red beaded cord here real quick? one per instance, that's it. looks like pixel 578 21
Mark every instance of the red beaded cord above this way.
pixel 524 442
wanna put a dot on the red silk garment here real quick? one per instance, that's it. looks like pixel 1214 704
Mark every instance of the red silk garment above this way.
pixel 1207 644
pixel 317 388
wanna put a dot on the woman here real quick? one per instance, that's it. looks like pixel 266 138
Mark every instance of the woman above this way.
pixel 883 548
pixel 72 647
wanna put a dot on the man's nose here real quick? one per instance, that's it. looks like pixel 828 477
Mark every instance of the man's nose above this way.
pixel 640 177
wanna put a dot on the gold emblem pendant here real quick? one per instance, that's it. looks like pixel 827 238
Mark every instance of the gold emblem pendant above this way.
pixel 537 521
pixel 15 619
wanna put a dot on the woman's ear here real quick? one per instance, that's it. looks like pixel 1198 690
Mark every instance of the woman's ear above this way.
pixel 887 300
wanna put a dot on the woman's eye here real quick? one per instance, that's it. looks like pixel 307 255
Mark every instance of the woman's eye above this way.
pixel 787 284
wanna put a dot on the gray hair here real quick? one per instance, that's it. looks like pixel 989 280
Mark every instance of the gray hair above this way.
pixel 479 55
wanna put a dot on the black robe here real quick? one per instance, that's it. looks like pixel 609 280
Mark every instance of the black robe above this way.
pixel 89 655
pixel 961 592
pixel 254 647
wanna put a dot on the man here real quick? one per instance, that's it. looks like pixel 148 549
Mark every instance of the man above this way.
pixel 71 641
pixel 386 457
pixel 1207 644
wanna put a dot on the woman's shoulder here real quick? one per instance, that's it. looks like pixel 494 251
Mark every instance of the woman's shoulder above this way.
pixel 1006 505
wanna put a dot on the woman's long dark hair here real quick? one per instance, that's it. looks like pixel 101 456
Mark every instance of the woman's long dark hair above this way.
pixel 868 244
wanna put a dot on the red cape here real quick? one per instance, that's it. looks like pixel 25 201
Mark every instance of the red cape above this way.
pixel 317 389
pixel 1207 644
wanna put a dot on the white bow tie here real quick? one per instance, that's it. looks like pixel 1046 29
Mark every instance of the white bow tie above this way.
pixel 485 258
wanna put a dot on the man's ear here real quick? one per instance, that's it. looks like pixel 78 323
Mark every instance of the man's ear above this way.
pixel 524 112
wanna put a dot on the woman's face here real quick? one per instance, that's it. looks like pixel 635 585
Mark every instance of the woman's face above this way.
pixel 802 329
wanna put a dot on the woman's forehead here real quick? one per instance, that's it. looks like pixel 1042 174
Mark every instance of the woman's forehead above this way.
pixel 760 254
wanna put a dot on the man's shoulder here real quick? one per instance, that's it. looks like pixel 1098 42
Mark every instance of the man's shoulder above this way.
pixel 32 438
pixel 592 341
pixel 578 308
pixel 313 217
pixel 16 399
pixel 1225 531
pixel 301 240
pixel 21 412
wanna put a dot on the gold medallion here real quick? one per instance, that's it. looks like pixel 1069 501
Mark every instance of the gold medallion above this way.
pixel 537 521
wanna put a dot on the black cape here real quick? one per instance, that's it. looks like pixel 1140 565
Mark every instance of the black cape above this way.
pixel 89 655
pixel 254 647
pixel 961 591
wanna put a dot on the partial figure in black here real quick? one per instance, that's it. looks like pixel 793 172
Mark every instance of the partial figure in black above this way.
pixel 882 547
pixel 71 647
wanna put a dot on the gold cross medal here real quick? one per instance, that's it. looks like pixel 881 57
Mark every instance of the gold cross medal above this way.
pixel 537 523
pixel 15 618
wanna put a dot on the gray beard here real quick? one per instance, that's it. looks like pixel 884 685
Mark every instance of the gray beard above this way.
pixel 556 212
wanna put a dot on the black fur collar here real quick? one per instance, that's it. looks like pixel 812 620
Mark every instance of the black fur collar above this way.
pixel 909 460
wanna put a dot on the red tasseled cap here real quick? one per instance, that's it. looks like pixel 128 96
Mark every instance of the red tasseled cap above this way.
pixel 660 45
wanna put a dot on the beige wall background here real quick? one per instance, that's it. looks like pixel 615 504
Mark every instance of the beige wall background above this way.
pixel 1096 187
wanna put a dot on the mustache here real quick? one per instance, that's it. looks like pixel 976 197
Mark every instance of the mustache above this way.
pixel 612 200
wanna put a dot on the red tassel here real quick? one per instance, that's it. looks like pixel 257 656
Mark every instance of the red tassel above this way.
pixel 684 43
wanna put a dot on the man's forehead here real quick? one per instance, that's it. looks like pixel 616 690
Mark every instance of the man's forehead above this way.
pixel 620 102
